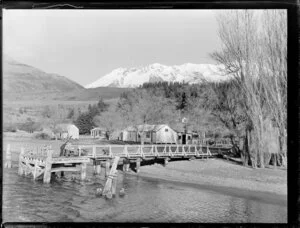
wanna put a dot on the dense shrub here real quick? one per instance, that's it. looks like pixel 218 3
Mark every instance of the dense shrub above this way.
pixel 10 128
pixel 42 135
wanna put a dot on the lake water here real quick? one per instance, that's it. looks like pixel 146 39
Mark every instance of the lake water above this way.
pixel 146 200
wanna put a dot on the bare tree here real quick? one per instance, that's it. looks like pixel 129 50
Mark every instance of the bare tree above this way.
pixel 111 120
pixel 246 52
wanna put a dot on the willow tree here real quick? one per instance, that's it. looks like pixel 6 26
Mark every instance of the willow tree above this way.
pixel 245 54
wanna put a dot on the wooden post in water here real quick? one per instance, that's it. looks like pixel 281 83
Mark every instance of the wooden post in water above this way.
pixel 166 161
pixel 114 183
pixel 35 169
pixel 207 149
pixel 21 171
pixel 107 191
pixel 138 164
pixel 98 167
pixel 8 157
pixel 83 171
pixel 107 164
pixel 124 165
pixel 48 166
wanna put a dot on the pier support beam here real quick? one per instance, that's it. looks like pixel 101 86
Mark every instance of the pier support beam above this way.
pixel 47 173
pixel 126 164
pixel 35 169
pixel 97 166
pixel 83 171
pixel 107 164
pixel 98 169
pixel 166 161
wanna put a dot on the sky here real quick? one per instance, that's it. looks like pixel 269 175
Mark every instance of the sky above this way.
pixel 84 45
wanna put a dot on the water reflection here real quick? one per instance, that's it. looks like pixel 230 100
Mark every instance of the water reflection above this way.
pixel 146 200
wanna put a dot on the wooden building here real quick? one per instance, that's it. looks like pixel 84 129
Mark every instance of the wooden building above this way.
pixel 67 130
pixel 98 132
pixel 151 134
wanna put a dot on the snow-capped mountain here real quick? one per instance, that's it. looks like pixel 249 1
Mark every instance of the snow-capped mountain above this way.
pixel 133 77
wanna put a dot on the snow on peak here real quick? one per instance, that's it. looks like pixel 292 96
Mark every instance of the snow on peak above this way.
pixel 134 77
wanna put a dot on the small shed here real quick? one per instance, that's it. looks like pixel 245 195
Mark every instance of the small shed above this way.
pixel 98 132
pixel 151 134
pixel 186 135
pixel 67 130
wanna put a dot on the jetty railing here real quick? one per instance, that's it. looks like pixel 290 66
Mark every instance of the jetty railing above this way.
pixel 103 152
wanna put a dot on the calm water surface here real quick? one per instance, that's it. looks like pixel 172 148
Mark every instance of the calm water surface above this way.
pixel 146 200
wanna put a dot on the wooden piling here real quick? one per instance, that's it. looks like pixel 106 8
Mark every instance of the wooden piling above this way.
pixel 166 161
pixel 83 171
pixel 35 169
pixel 21 171
pixel 48 166
pixel 107 191
pixel 107 164
pixel 98 168
pixel 114 183
pixel 138 164
pixel 8 157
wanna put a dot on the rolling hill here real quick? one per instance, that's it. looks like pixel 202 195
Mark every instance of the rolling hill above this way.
pixel 24 82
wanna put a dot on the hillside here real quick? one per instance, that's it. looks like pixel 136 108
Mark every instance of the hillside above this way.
pixel 133 77
pixel 20 78
pixel 24 82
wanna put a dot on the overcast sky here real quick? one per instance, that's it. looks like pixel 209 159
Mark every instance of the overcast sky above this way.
pixel 84 45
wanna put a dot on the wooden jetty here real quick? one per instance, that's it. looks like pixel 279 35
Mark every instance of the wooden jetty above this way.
pixel 41 162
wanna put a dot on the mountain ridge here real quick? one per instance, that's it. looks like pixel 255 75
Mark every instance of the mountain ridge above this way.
pixel 136 76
